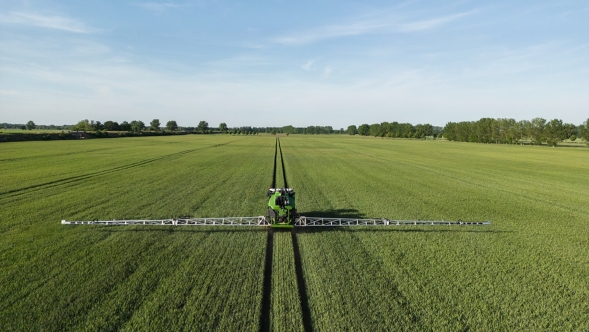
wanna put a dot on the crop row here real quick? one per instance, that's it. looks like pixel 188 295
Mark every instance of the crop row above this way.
pixel 285 313
pixel 144 281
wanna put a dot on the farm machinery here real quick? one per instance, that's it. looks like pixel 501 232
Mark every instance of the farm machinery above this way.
pixel 281 213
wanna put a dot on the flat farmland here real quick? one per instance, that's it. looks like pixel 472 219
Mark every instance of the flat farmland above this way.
pixel 528 270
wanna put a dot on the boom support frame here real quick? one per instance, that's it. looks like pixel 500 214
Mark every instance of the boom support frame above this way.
pixel 264 221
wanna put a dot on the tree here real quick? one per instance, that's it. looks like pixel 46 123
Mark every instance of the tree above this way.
pixel 427 130
pixel 585 131
pixel 125 126
pixel 554 132
pixel 203 126
pixel 450 131
pixel 97 125
pixel 570 130
pixel 374 129
pixel 154 125
pixel 273 132
pixel 523 128
pixel 137 125
pixel 288 129
pixel 364 130
pixel 536 130
pixel 172 125
pixel 223 127
pixel 111 126
pixel 352 130
pixel 30 125
pixel 84 125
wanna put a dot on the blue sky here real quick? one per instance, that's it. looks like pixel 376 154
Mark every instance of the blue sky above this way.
pixel 274 63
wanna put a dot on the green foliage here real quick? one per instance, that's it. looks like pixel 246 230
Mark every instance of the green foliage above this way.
pixel 30 125
pixel 203 127
pixel 554 132
pixel 509 131
pixel 364 130
pixel 137 126
pixel 155 125
pixel 172 126
pixel 584 131
pixel 288 129
pixel 111 126
pixel 352 130
pixel 84 125
pixel 223 127
pixel 395 129
pixel 125 126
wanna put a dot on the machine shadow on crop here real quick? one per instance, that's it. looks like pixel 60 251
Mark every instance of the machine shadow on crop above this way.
pixel 181 229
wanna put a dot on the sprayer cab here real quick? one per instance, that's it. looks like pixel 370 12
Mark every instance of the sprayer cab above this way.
pixel 282 210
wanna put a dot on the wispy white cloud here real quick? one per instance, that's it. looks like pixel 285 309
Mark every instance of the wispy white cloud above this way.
pixel 431 23
pixel 307 66
pixel 158 6
pixel 42 21
pixel 331 31
pixel 361 27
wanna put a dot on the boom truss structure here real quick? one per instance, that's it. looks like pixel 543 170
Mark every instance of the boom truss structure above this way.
pixel 264 221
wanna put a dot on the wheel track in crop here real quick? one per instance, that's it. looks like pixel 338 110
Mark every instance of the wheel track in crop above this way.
pixel 77 178
pixel 267 288
pixel 301 284
pixel 303 298
pixel 278 148
pixel 267 285
pixel 274 172
pixel 281 162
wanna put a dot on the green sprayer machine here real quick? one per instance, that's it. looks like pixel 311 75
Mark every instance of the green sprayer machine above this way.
pixel 281 213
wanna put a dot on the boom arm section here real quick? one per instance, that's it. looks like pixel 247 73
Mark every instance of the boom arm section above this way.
pixel 265 221
pixel 235 221
pixel 314 221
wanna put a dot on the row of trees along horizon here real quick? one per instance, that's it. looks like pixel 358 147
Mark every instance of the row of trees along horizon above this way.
pixel 485 130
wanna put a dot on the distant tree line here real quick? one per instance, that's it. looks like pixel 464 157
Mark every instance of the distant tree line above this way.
pixel 395 130
pixel 139 126
pixel 31 125
pixel 486 130
pixel 311 130
pixel 509 131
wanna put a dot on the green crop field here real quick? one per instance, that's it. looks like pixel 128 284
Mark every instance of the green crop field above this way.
pixel 529 270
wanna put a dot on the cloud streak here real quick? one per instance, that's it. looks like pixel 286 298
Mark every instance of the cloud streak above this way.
pixel 379 25
pixel 331 31
pixel 307 66
pixel 158 7
pixel 49 22
pixel 432 23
